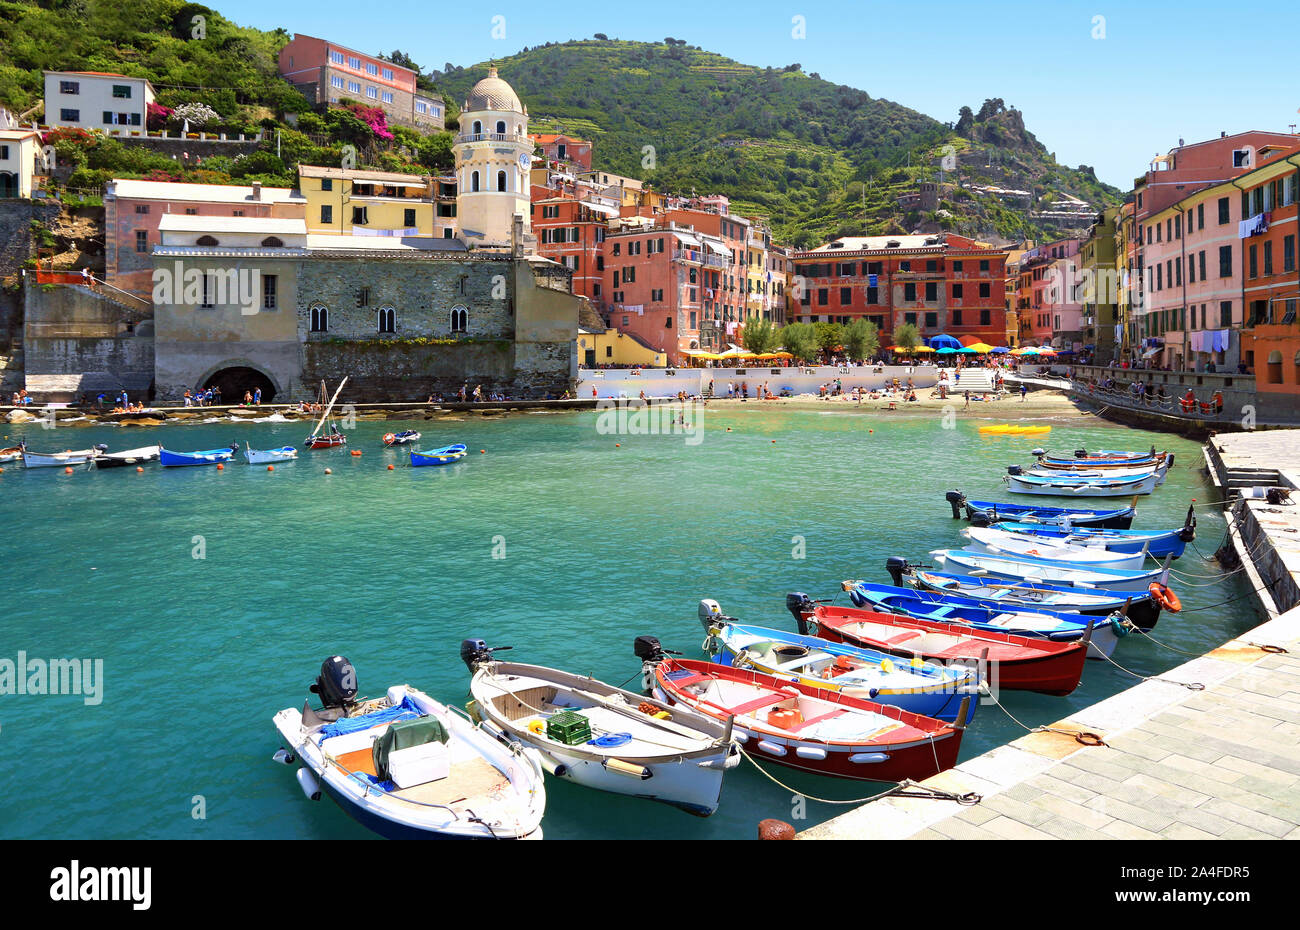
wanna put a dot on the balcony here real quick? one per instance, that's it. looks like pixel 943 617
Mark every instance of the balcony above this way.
pixel 485 137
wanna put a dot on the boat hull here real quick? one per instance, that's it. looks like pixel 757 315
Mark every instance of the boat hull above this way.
pixel 990 512
pixel 933 752
pixel 58 459
pixel 270 456
pixel 444 456
pixel 325 442
pixel 960 562
pixel 1081 487
pixel 169 459
pixel 1156 545
pixel 996 541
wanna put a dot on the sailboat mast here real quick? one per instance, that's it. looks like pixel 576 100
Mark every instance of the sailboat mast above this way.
pixel 325 416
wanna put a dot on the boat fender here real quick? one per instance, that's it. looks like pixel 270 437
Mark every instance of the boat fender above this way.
pixel 740 736
pixel 536 726
pixel 627 768
pixel 771 748
pixel 492 730
pixel 810 752
pixel 283 756
pixel 1165 597
pixel 862 758
pixel 310 786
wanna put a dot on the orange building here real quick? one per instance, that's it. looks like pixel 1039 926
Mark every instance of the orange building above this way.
pixel 572 232
pixel 1271 287
pixel 559 150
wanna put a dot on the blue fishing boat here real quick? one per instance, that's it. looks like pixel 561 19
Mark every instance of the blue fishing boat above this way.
pixel 170 459
pixel 1105 458
pixel 1029 568
pixel 1143 609
pixel 984 513
pixel 943 692
pixel 1156 544
pixel 1058 626
pixel 444 456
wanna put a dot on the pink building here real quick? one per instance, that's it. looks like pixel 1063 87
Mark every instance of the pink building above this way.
pixel 1054 315
pixel 327 72
pixel 133 209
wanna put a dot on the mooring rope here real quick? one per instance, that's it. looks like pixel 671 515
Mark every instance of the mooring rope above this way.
pixel 1083 737
pixel 906 788
pixel 1189 685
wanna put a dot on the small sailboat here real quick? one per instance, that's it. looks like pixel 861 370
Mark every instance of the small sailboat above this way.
pixel 269 456
pixel 596 735
pixel 403 438
pixel 444 456
pixel 169 459
pixel 128 457
pixel 407 767
pixel 984 513
pixel 801 726
pixel 320 437
pixel 920 687
pixel 1014 662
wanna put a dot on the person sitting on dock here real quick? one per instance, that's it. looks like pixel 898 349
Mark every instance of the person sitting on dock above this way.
pixel 1188 402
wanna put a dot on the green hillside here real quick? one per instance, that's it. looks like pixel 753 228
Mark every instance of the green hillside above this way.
pixel 817 159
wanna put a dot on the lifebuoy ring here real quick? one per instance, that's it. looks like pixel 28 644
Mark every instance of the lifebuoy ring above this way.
pixel 1165 597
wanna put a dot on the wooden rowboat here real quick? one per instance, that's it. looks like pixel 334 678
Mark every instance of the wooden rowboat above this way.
pixel 808 728
pixel 444 456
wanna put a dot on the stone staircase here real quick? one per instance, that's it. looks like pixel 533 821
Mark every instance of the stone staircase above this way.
pixel 975 380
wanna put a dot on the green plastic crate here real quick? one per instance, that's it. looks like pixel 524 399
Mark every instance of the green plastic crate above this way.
pixel 569 728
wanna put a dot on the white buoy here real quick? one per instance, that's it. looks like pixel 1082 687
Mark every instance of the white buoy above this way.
pixel 310 786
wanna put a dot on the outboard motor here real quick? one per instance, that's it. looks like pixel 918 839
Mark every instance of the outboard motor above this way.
pixel 1169 458
pixel 336 684
pixel 474 652
pixel 1014 470
pixel 1188 532
pixel 979 518
pixel 651 653
pixel 896 567
pixel 956 499
pixel 100 447
pixel 1081 453
pixel 711 615
pixel 800 605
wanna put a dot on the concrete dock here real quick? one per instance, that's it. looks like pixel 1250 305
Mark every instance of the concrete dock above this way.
pixel 1177 763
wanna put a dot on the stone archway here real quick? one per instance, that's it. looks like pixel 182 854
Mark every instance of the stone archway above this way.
pixel 235 380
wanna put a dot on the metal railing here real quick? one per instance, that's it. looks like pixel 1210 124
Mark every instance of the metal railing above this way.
pixel 1167 405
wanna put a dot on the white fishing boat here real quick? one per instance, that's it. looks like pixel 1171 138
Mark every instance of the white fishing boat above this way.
pixel 270 456
pixel 1002 542
pixel 407 767
pixel 599 736
pixel 1114 474
pixel 60 459
pixel 1028 568
pixel 1081 487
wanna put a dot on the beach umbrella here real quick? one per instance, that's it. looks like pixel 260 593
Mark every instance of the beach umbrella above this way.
pixel 923 349
pixel 1000 350
pixel 947 350
pixel 983 348
pixel 967 350
pixel 944 341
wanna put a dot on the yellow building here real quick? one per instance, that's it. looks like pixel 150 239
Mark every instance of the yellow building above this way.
pixel 353 202
pixel 757 293
pixel 614 348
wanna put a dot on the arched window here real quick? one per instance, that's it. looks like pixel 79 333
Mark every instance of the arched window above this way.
pixel 272 242
pixel 473 181
pixel 459 319
pixel 501 180
pixel 501 127
pixel 387 322
pixel 478 128
pixel 206 240
pixel 320 318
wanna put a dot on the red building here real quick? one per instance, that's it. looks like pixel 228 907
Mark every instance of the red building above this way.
pixel 572 232
pixel 562 149
pixel 940 283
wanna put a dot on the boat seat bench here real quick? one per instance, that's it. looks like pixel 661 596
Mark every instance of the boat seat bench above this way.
pixel 829 715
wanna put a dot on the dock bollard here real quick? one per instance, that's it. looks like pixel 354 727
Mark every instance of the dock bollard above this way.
pixel 775 830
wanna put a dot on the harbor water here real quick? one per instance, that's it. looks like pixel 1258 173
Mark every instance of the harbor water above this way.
pixel 212 597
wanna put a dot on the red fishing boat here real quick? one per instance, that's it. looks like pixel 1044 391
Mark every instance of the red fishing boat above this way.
pixel 1015 663
pixel 321 438
pixel 809 728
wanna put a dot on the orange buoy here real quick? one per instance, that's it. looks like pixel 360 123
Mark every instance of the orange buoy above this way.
pixel 390 467
pixel 328 472
pixel 356 451
pixel 1165 597
pixel 67 470
pixel 870 431
pixel 774 442
pixel 220 467
pixel 270 468
pixel 482 451
pixel 138 469
pixel 616 445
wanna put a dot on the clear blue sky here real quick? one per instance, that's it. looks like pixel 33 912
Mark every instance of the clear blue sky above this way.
pixel 1162 71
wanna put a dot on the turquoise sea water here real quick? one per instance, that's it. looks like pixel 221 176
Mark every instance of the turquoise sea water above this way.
pixel 394 568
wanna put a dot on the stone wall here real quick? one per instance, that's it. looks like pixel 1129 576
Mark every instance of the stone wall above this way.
pixel 71 332
pixel 16 248
pixel 380 371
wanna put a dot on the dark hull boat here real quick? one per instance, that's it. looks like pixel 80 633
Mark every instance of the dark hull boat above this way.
pixel 985 513
pixel 405 437
pixel 129 457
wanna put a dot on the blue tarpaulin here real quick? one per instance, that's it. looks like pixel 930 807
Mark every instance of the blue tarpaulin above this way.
pixel 402 711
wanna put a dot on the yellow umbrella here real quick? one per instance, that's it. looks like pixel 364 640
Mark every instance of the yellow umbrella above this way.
pixel 983 348
pixel 923 349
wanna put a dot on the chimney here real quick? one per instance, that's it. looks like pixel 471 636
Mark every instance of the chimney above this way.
pixel 257 190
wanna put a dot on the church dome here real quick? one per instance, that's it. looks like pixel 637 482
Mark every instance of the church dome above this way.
pixel 492 93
